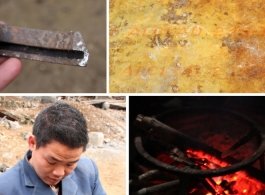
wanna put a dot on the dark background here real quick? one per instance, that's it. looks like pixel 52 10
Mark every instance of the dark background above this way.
pixel 151 105
pixel 86 16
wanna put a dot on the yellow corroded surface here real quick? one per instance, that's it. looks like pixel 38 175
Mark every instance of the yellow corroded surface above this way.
pixel 177 46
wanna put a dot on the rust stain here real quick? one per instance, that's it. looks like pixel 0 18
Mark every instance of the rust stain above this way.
pixel 199 46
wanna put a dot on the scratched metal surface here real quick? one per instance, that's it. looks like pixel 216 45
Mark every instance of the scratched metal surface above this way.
pixel 37 37
pixel 86 16
pixel 177 46
pixel 57 47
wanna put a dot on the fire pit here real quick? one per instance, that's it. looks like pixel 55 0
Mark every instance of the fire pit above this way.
pixel 198 150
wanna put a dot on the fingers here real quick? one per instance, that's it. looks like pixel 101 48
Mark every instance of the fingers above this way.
pixel 9 70
pixel 2 59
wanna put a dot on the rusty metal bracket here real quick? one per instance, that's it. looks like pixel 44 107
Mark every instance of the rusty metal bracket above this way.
pixel 42 45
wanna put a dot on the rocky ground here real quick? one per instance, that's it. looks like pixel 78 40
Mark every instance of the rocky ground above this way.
pixel 111 158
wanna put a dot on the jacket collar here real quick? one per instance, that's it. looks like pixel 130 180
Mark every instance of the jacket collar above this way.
pixel 69 187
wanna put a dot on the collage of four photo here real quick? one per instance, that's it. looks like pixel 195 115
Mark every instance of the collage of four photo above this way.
pixel 135 97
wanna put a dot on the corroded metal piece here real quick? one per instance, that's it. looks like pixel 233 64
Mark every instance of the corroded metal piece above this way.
pixel 50 46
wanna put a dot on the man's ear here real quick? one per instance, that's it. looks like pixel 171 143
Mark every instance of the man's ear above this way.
pixel 32 142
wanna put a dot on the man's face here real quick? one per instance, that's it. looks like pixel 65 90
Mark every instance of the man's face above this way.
pixel 54 161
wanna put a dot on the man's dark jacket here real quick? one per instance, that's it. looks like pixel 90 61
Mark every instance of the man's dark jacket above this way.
pixel 23 180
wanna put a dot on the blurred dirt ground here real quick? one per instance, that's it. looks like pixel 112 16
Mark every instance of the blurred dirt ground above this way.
pixel 86 16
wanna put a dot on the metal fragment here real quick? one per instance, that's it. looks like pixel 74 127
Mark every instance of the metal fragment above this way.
pixel 42 45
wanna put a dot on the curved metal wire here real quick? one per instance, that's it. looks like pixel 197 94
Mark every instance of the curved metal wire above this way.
pixel 210 172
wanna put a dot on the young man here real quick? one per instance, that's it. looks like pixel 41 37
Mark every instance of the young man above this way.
pixel 53 164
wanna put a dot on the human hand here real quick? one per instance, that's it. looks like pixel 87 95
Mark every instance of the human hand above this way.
pixel 9 70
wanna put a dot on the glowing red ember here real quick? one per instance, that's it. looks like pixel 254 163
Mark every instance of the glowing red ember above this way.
pixel 238 183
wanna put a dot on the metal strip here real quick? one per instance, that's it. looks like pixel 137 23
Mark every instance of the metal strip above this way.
pixel 42 45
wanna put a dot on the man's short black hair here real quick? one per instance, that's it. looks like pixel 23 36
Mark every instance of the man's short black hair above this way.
pixel 63 123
